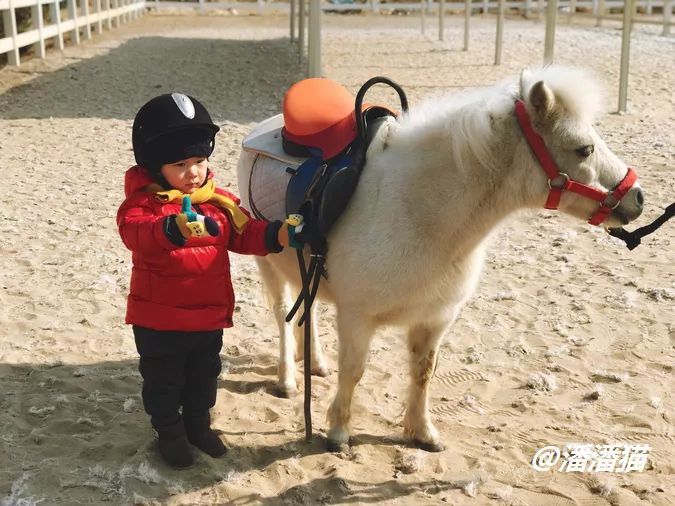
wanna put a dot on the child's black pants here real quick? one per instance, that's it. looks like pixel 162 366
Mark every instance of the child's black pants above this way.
pixel 179 369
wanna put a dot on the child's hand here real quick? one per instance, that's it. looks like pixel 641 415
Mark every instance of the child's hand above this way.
pixel 196 225
pixel 180 227
pixel 288 231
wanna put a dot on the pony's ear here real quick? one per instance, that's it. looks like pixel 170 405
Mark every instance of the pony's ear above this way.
pixel 542 99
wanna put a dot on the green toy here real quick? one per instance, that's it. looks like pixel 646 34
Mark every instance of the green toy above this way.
pixel 193 221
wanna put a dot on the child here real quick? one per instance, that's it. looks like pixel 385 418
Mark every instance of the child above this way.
pixel 181 294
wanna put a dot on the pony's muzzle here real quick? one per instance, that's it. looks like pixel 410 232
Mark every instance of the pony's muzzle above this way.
pixel 631 205
pixel 639 198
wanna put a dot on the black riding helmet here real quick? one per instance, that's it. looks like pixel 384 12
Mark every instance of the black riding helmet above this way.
pixel 172 127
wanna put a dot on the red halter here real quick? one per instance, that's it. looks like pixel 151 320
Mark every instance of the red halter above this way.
pixel 558 182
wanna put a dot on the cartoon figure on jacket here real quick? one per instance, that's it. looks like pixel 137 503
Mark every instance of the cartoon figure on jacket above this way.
pixel 181 296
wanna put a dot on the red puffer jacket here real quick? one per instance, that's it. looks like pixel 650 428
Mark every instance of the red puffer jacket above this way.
pixel 184 288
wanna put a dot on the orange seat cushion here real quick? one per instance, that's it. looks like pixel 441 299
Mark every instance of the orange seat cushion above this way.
pixel 319 113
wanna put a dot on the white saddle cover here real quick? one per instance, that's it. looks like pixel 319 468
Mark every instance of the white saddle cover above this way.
pixel 269 177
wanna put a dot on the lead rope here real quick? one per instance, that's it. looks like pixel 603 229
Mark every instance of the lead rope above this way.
pixel 632 239
pixel 306 281
pixel 310 278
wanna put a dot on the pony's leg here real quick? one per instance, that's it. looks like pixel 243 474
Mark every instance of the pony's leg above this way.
pixel 319 367
pixel 423 343
pixel 276 288
pixel 354 334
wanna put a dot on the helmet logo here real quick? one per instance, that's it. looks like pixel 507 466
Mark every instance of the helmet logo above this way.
pixel 184 104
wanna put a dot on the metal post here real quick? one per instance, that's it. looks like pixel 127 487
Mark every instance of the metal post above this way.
pixel 301 31
pixel 667 12
pixel 423 16
pixel 99 23
pixel 600 13
pixel 628 9
pixel 108 20
pixel 573 10
pixel 55 15
pixel 292 21
pixel 38 22
pixel 441 19
pixel 500 32
pixel 549 39
pixel 314 40
pixel 9 26
pixel 72 12
pixel 85 11
pixel 467 18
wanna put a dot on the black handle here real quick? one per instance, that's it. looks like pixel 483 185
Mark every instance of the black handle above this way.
pixel 360 120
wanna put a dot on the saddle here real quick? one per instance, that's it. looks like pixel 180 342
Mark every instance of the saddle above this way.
pixel 320 122
pixel 319 114
pixel 323 136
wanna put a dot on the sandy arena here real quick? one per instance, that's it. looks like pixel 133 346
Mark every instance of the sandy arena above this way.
pixel 569 338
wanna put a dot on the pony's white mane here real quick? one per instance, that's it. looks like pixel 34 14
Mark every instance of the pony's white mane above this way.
pixel 467 119
pixel 464 119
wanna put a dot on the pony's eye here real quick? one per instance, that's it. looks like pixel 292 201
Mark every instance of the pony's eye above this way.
pixel 585 151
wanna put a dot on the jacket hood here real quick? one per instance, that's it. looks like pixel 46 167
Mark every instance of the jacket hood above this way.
pixel 137 178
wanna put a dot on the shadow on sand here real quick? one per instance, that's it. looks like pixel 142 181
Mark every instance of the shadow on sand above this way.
pixel 78 434
pixel 238 80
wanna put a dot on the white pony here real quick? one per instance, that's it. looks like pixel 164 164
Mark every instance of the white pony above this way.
pixel 409 249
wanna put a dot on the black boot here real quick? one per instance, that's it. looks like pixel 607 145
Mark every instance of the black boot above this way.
pixel 200 434
pixel 174 446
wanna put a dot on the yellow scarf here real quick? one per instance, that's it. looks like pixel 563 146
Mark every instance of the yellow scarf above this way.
pixel 206 193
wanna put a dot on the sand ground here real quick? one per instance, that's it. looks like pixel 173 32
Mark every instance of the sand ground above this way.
pixel 561 307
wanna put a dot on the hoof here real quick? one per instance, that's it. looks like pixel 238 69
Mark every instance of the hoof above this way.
pixel 322 371
pixel 334 446
pixel 285 391
pixel 429 447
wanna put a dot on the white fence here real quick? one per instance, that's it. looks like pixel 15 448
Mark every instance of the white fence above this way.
pixel 598 9
pixel 77 19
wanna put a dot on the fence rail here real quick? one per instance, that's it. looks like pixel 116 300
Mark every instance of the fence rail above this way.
pixel 598 9
pixel 85 16
pixel 596 6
